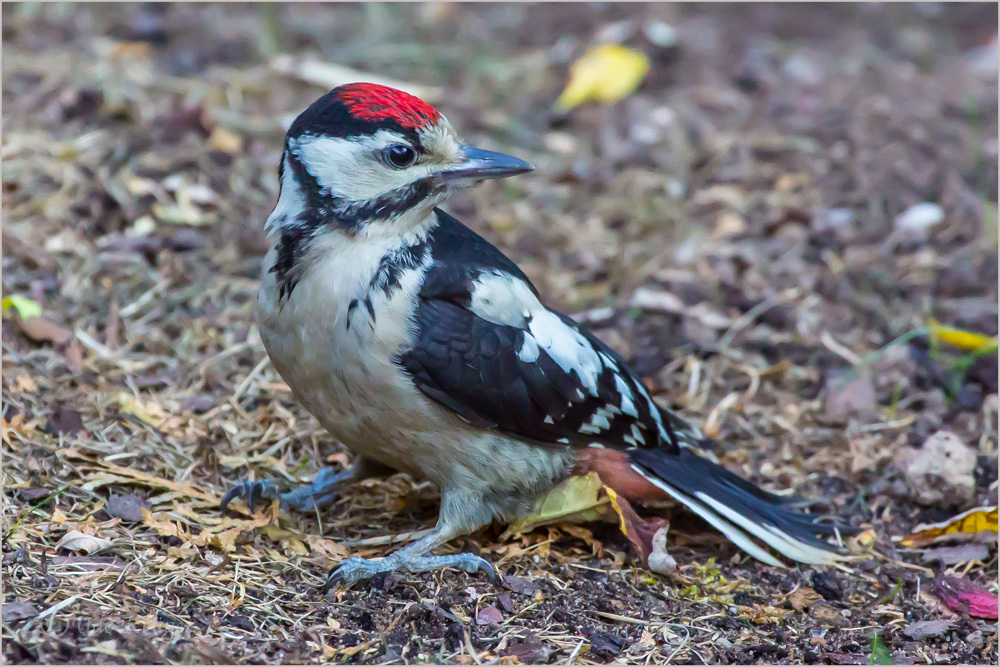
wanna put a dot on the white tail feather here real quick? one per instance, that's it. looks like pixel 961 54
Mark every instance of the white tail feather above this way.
pixel 777 538
pixel 738 537
pixel 739 528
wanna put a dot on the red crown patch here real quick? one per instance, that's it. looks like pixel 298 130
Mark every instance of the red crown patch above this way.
pixel 372 102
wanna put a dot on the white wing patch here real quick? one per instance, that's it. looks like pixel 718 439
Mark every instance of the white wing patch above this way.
pixel 628 406
pixel 570 350
pixel 504 299
pixel 529 350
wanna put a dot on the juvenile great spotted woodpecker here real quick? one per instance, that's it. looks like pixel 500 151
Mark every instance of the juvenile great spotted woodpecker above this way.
pixel 424 349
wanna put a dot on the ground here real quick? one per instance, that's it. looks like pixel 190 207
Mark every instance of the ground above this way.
pixel 739 228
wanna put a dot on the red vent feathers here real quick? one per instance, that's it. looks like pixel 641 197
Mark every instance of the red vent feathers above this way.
pixel 372 102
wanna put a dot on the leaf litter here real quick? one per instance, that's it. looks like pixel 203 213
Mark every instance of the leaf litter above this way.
pixel 730 227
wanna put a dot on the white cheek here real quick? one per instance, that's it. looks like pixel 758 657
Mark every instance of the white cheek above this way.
pixel 348 168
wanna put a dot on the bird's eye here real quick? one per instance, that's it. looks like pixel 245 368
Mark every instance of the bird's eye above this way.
pixel 400 155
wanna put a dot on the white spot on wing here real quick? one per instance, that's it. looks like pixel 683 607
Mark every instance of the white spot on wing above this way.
pixel 548 419
pixel 628 407
pixel 529 350
pixel 502 299
pixel 570 350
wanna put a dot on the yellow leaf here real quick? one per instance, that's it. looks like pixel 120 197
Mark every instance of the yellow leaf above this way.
pixel 576 499
pixel 605 73
pixel 963 340
pixel 147 411
pixel 24 306
pixel 963 527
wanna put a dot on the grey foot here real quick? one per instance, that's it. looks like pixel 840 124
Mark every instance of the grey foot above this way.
pixel 354 570
pixel 322 491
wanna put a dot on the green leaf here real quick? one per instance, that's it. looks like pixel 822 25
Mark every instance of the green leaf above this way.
pixel 880 653
pixel 24 306
pixel 578 499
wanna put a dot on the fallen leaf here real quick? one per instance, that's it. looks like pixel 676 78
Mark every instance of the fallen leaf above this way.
pixel 922 629
pixel 763 614
pixel 489 615
pixel 520 585
pixel 148 412
pixel 20 610
pixel 606 73
pixel 605 644
pixel 65 422
pixel 45 331
pixel 963 340
pixel 880 654
pixel 25 307
pixel 649 537
pixel 827 615
pixel 127 507
pixel 121 474
pixel 803 598
pixel 963 553
pixel 225 141
pixel 578 499
pixel 977 524
pixel 531 651
pixel 962 595
pixel 942 471
pixel 848 394
pixel 74 540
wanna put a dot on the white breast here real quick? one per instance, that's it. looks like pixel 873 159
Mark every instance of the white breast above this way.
pixel 344 375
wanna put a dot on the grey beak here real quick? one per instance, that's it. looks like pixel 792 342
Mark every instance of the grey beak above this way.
pixel 480 165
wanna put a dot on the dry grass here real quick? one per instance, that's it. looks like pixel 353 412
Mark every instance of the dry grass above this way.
pixel 729 229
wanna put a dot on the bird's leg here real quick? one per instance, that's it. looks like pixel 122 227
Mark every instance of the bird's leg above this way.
pixel 460 514
pixel 319 493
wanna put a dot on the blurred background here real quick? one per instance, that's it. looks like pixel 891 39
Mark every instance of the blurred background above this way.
pixel 750 202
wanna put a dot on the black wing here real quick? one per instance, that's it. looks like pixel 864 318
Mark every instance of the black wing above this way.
pixel 549 381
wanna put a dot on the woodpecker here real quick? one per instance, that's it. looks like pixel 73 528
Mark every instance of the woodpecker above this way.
pixel 424 349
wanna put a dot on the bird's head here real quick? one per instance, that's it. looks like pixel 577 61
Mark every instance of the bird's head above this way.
pixel 366 155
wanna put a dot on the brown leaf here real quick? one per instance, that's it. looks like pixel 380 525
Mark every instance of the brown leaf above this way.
pixel 763 614
pixel 127 507
pixel 18 611
pixel 34 258
pixel 40 329
pixel 489 615
pixel 922 629
pixel 531 651
pixel 827 615
pixel 520 585
pixel 65 421
pixel 649 537
pixel 803 598
pixel 848 395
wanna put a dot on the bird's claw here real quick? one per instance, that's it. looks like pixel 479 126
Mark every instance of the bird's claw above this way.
pixel 353 570
pixel 252 493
